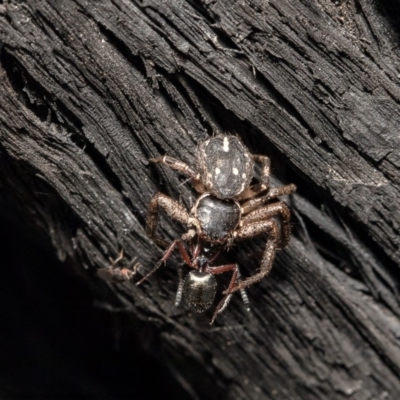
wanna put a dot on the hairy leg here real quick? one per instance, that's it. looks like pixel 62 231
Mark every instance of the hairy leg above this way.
pixel 252 204
pixel 255 229
pixel 177 165
pixel 172 208
pixel 180 166
pixel 272 210
pixel 265 169
pixel 255 190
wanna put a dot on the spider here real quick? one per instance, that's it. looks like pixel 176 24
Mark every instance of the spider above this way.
pixel 228 208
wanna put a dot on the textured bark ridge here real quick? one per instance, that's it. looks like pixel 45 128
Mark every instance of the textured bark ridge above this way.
pixel 89 91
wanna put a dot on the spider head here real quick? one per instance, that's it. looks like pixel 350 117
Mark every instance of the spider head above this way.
pixel 218 218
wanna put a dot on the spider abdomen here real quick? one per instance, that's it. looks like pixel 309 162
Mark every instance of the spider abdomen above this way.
pixel 225 165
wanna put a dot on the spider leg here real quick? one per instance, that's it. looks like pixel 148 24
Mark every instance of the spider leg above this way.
pixel 173 209
pixel 272 194
pixel 251 230
pixel 165 257
pixel 234 280
pixel 255 190
pixel 272 210
pixel 180 166
pixel 265 169
pixel 177 165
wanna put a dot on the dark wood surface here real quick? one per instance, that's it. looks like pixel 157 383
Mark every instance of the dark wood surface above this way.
pixel 89 91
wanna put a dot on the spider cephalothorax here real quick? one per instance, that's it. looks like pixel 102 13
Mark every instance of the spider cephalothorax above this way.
pixel 217 218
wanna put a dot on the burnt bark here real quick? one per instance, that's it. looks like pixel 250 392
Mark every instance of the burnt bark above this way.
pixel 89 91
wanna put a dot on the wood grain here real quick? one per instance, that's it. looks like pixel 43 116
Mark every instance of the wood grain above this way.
pixel 89 91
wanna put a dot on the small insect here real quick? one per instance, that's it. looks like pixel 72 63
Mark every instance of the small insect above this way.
pixel 228 208
pixel 199 287
pixel 113 273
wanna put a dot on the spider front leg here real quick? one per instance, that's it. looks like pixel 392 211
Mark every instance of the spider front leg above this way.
pixel 252 204
pixel 279 209
pixel 172 208
pixel 177 165
pixel 255 229
pixel 180 166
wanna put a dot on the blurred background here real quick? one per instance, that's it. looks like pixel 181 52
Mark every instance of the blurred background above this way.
pixel 54 343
